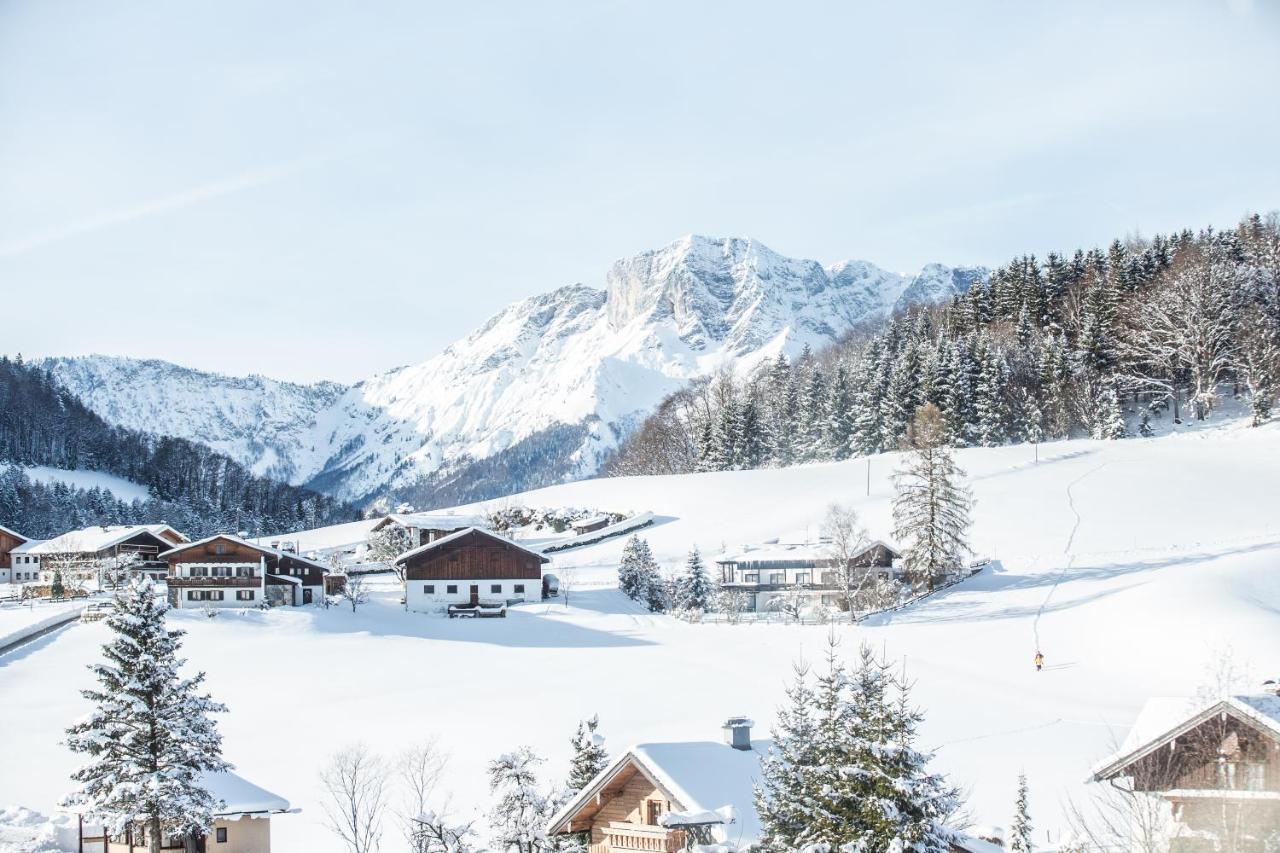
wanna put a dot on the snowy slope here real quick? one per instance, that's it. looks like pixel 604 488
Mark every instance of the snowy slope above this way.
pixel 594 360
pixel 122 489
pixel 1128 563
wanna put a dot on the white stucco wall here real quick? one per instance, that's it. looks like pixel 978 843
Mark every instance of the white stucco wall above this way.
pixel 420 600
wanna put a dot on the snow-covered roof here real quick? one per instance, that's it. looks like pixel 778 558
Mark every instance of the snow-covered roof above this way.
pixel 435 520
pixel 28 546
pixel 287 578
pixel 1164 718
pixel 262 549
pixel 92 540
pixel 240 796
pixel 593 520
pixel 453 537
pixel 330 538
pixel 806 551
pixel 701 776
pixel 13 533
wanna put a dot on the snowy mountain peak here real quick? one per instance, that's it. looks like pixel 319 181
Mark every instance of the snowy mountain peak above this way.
pixel 541 392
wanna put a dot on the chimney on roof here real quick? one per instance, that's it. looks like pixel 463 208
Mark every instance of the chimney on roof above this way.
pixel 737 732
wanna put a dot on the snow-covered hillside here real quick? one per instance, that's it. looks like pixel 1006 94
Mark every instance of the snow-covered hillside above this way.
pixel 553 381
pixel 122 489
pixel 1131 564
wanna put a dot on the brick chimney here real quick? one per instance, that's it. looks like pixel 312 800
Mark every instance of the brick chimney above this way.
pixel 737 732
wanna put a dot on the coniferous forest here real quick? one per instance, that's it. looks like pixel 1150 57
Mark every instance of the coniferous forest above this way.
pixel 192 487
pixel 1101 343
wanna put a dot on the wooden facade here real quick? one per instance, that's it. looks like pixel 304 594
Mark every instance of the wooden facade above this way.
pixel 9 540
pixel 473 555
pixel 229 563
pixel 1220 773
pixel 625 814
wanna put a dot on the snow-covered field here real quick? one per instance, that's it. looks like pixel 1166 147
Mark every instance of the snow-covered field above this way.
pixel 1132 562
pixel 125 490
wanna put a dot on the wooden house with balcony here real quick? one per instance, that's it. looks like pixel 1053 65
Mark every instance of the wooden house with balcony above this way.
pixel 227 571
pixel 1218 767
pixel 770 572
pixel 657 797
pixel 81 555
pixel 9 539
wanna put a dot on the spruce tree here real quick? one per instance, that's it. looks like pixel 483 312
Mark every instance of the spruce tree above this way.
pixel 694 589
pixel 56 588
pixel 629 569
pixel 931 504
pixel 1020 834
pixel 786 785
pixel 149 737
pixel 589 755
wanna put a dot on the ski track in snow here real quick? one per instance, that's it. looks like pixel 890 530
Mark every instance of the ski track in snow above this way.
pixel 1071 538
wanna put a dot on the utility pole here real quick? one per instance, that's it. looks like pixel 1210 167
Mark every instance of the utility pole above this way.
pixel 868 476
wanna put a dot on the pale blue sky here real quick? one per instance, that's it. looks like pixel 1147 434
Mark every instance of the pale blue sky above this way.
pixel 314 189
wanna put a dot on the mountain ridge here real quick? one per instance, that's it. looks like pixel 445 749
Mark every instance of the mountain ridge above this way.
pixel 594 360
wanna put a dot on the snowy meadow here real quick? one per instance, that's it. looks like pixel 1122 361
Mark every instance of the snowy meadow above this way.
pixel 1130 564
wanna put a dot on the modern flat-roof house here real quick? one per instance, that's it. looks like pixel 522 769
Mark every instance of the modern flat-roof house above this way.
pixel 1217 765
pixel 227 571
pixel 470 566
pixel 9 539
pixel 773 570
pixel 80 554
pixel 241 825
pixel 426 527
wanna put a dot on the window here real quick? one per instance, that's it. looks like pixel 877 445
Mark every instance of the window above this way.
pixel 244 595
pixel 220 835
pixel 518 588
pixel 213 594
pixel 220 548
pixel 777 577
pixel 802 577
pixel 195 594
pixel 751 577
pixel 451 589
pixel 429 589
pixel 654 812
pixel 495 587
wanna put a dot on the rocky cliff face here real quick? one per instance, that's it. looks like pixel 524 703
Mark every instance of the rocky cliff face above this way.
pixel 556 380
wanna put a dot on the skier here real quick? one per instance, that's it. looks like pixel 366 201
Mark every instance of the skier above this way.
pixel 1039 661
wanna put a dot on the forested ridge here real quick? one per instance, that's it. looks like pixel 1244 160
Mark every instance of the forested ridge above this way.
pixel 1100 343
pixel 194 488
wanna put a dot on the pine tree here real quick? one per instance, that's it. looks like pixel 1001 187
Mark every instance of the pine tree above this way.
pixel 149 736
pixel 930 504
pixel 1020 834
pixel 784 789
pixel 694 589
pixel 1109 415
pixel 589 755
pixel 56 589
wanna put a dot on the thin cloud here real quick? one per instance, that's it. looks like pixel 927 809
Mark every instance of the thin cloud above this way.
pixel 165 204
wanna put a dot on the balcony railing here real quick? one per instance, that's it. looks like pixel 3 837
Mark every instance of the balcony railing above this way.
pixel 639 836
pixel 214 582
pixel 1230 776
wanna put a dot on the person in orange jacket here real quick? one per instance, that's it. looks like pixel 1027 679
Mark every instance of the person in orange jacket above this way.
pixel 1039 661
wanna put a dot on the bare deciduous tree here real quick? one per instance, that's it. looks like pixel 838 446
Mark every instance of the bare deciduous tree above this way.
pixel 354 591
pixel 847 539
pixel 355 781
pixel 427 822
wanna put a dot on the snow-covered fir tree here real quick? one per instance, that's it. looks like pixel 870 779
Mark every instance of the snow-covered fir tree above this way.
pixel 589 755
pixel 1020 832
pixel 150 736
pixel 931 503
pixel 693 588
pixel 844 772
pixel 629 567
pixel 520 808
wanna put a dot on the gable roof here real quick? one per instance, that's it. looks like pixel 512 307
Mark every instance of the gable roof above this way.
pixel 1163 719
pixel 92 540
pixel 28 546
pixel 701 776
pixel 433 520
pixel 240 796
pixel 13 533
pixel 798 551
pixel 467 531
pixel 262 549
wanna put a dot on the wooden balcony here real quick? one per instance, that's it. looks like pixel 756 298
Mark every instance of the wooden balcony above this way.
pixel 1233 776
pixel 639 836
pixel 214 583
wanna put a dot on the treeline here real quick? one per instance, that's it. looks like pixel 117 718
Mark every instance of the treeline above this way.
pixel 1095 343
pixel 192 487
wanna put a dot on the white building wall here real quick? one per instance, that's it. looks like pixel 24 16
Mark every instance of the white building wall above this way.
pixel 432 596
pixel 228 597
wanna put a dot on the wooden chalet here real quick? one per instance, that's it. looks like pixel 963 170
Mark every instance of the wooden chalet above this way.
pixel 227 571
pixel 1218 768
pixel 9 539
pixel 471 566
pixel 424 528
pixel 81 554
pixel 767 573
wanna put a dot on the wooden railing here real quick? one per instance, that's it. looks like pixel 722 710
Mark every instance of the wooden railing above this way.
pixel 1230 776
pixel 639 836
pixel 214 582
